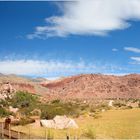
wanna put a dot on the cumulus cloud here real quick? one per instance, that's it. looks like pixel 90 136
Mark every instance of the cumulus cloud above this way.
pixel 53 68
pixel 132 49
pixel 89 17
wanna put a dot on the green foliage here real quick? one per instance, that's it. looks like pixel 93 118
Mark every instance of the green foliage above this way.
pixel 118 104
pixel 49 111
pixel 24 121
pixel 98 108
pixel 4 103
pixel 23 99
pixel 4 112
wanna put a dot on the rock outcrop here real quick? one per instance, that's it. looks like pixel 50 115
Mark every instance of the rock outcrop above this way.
pixel 6 90
pixel 59 122
pixel 11 83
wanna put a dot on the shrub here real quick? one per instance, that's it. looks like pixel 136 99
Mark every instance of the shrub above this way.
pixel 126 107
pixel 23 99
pixel 24 121
pixel 4 103
pixel 92 109
pixel 55 101
pixel 90 132
pixel 49 111
pixel 96 116
pixel 4 112
pixel 139 103
pixel 118 104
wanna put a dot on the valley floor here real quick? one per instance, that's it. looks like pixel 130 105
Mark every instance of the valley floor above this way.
pixel 116 124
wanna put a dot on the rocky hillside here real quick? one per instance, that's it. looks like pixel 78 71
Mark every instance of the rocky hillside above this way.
pixel 99 86
pixel 10 83
pixel 86 86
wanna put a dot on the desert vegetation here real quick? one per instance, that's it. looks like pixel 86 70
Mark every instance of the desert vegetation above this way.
pixel 29 105
pixel 113 124
pixel 96 119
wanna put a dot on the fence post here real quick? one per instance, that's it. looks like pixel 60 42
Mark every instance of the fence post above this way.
pixel 2 130
pixel 18 133
pixel 45 133
pixel 9 131
pixel 76 136
pixel 29 132
pixel 67 136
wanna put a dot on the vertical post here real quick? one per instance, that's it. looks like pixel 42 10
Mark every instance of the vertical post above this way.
pixel 45 133
pixel 9 132
pixel 2 130
pixel 76 135
pixel 29 132
pixel 18 133
pixel 67 136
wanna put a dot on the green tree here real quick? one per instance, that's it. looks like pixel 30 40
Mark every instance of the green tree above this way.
pixel 25 101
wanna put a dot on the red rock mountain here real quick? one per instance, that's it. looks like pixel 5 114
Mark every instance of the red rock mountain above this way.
pixel 86 86
pixel 89 86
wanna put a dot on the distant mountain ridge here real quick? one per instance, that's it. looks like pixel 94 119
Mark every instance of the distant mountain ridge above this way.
pixel 84 86
pixel 23 83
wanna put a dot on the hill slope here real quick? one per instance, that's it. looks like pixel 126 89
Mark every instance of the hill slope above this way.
pixel 86 86
pixel 96 86
pixel 22 84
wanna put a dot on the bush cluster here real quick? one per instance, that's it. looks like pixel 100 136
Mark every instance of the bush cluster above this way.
pixel 90 132
pixel 4 112
pixel 25 101
pixel 49 111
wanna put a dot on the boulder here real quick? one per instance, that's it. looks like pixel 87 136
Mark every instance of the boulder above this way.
pixel 6 90
pixel 48 123
pixel 59 122
pixel 14 110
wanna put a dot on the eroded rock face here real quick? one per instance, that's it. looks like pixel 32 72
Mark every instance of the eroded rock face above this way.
pixel 6 90
pixel 96 86
pixel 24 87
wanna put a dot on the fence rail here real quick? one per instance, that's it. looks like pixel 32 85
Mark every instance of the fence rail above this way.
pixel 12 134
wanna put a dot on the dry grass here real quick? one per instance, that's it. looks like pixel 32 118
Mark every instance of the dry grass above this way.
pixel 121 124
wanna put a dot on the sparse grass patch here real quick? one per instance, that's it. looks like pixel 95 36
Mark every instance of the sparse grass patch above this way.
pixel 114 124
pixel 89 132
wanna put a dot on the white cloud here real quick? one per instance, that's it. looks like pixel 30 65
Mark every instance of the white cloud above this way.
pixel 89 17
pixel 132 49
pixel 137 59
pixel 114 50
pixel 53 68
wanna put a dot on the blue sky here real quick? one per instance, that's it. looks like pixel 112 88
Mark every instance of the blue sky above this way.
pixel 53 39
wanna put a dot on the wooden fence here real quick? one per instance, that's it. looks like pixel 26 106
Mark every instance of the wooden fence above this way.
pixel 12 134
